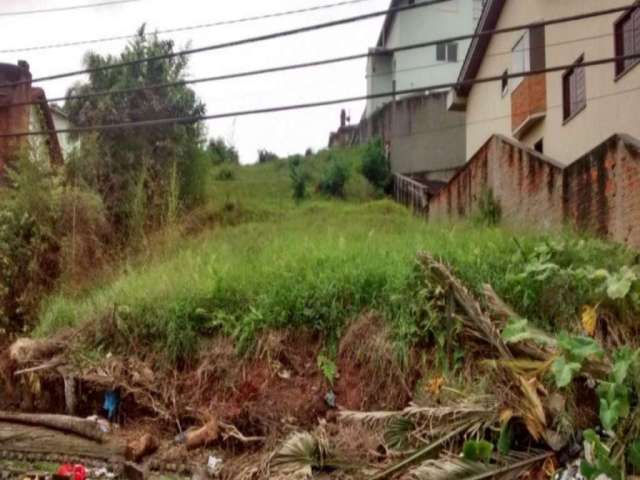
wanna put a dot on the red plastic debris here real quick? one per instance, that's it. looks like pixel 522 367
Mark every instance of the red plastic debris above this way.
pixel 77 472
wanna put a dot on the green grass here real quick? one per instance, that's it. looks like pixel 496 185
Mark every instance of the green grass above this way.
pixel 315 265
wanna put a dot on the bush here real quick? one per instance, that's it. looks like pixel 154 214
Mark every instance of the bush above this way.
pixel 335 178
pixel 225 174
pixel 298 178
pixel 221 152
pixel 265 156
pixel 375 166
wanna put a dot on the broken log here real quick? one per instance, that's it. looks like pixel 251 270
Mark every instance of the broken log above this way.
pixel 64 423
pixel 39 440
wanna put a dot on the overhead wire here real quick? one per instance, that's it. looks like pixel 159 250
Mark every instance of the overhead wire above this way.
pixel 333 23
pixel 299 106
pixel 317 63
pixel 66 9
pixel 189 27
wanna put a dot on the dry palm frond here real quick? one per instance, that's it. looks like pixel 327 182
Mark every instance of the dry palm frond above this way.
pixel 453 468
pixel 300 454
pixel 476 321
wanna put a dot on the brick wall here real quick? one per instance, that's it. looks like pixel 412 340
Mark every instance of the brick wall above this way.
pixel 599 192
pixel 13 118
pixel 528 99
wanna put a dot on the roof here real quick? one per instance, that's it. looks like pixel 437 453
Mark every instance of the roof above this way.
pixel 479 45
pixel 388 22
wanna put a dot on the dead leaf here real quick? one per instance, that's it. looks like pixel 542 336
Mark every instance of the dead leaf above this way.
pixel 435 386
pixel 589 319
pixel 531 408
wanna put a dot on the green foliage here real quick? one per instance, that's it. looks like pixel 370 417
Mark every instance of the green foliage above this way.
pixel 398 432
pixel 335 177
pixel 519 330
pixel 135 165
pixel 299 178
pixel 220 152
pixel 328 368
pixel 375 165
pixel 602 464
pixel 633 455
pixel 505 439
pixel 265 156
pixel 225 174
pixel 477 450
pixel 575 351
pixel 489 209
pixel 621 390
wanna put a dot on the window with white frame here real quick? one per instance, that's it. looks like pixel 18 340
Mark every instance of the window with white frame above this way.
pixel 521 59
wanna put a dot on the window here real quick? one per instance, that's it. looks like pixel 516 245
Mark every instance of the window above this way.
pixel 574 91
pixel 505 82
pixel 627 38
pixel 447 52
pixel 520 59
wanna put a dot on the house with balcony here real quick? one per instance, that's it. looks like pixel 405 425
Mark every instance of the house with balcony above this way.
pixel 552 139
pixel 425 140
pixel 562 114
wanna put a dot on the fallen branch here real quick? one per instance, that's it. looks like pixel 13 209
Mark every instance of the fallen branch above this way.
pixel 63 423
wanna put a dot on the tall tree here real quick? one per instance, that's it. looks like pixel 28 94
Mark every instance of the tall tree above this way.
pixel 137 167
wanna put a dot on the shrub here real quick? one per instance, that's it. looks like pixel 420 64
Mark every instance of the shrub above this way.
pixel 225 174
pixel 265 156
pixel 335 178
pixel 375 166
pixel 221 152
pixel 298 178
pixel 489 209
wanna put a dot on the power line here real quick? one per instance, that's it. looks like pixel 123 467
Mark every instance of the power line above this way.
pixel 198 118
pixel 188 28
pixel 65 9
pixel 307 65
pixel 233 43
pixel 333 23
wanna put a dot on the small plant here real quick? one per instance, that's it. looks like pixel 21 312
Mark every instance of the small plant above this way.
pixel 489 209
pixel 328 368
pixel 576 350
pixel 335 178
pixel 298 179
pixel 375 166
pixel 225 174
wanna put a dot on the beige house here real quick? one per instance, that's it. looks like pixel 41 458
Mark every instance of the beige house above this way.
pixel 563 114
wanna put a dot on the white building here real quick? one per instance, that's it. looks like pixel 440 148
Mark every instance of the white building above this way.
pixel 389 71
pixel 61 122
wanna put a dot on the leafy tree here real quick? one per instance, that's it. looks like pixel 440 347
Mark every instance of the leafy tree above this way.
pixel 375 166
pixel 137 166
pixel 265 156
pixel 221 152
pixel 298 177
pixel 335 178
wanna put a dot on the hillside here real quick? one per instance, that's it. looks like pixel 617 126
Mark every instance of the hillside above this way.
pixel 268 314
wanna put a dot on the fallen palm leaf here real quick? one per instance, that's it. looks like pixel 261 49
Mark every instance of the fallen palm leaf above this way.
pixel 452 468
pixel 300 454
pixel 421 453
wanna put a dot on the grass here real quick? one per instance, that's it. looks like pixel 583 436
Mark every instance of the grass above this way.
pixel 316 265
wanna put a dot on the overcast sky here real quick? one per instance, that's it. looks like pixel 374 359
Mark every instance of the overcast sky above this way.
pixel 284 133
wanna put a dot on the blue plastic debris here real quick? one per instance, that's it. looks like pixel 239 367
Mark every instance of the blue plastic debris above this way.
pixel 330 398
pixel 111 404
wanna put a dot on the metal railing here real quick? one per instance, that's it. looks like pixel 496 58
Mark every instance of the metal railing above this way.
pixel 411 194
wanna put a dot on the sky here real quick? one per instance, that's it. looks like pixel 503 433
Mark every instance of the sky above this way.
pixel 283 133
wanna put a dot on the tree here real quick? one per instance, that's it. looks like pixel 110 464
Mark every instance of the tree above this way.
pixel 222 152
pixel 138 169
pixel 375 166
pixel 265 156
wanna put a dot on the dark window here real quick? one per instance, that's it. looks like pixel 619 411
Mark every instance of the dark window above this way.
pixel 505 82
pixel 574 90
pixel 447 52
pixel 539 146
pixel 452 52
pixel 627 38
pixel 411 2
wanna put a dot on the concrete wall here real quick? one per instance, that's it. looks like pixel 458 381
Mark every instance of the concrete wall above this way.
pixel 611 103
pixel 455 17
pixel 424 137
pixel 599 192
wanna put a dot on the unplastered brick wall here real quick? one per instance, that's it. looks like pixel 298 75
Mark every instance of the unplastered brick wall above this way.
pixel 599 192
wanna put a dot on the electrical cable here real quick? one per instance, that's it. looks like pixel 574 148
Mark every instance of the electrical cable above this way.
pixel 333 23
pixel 66 9
pixel 198 118
pixel 188 28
